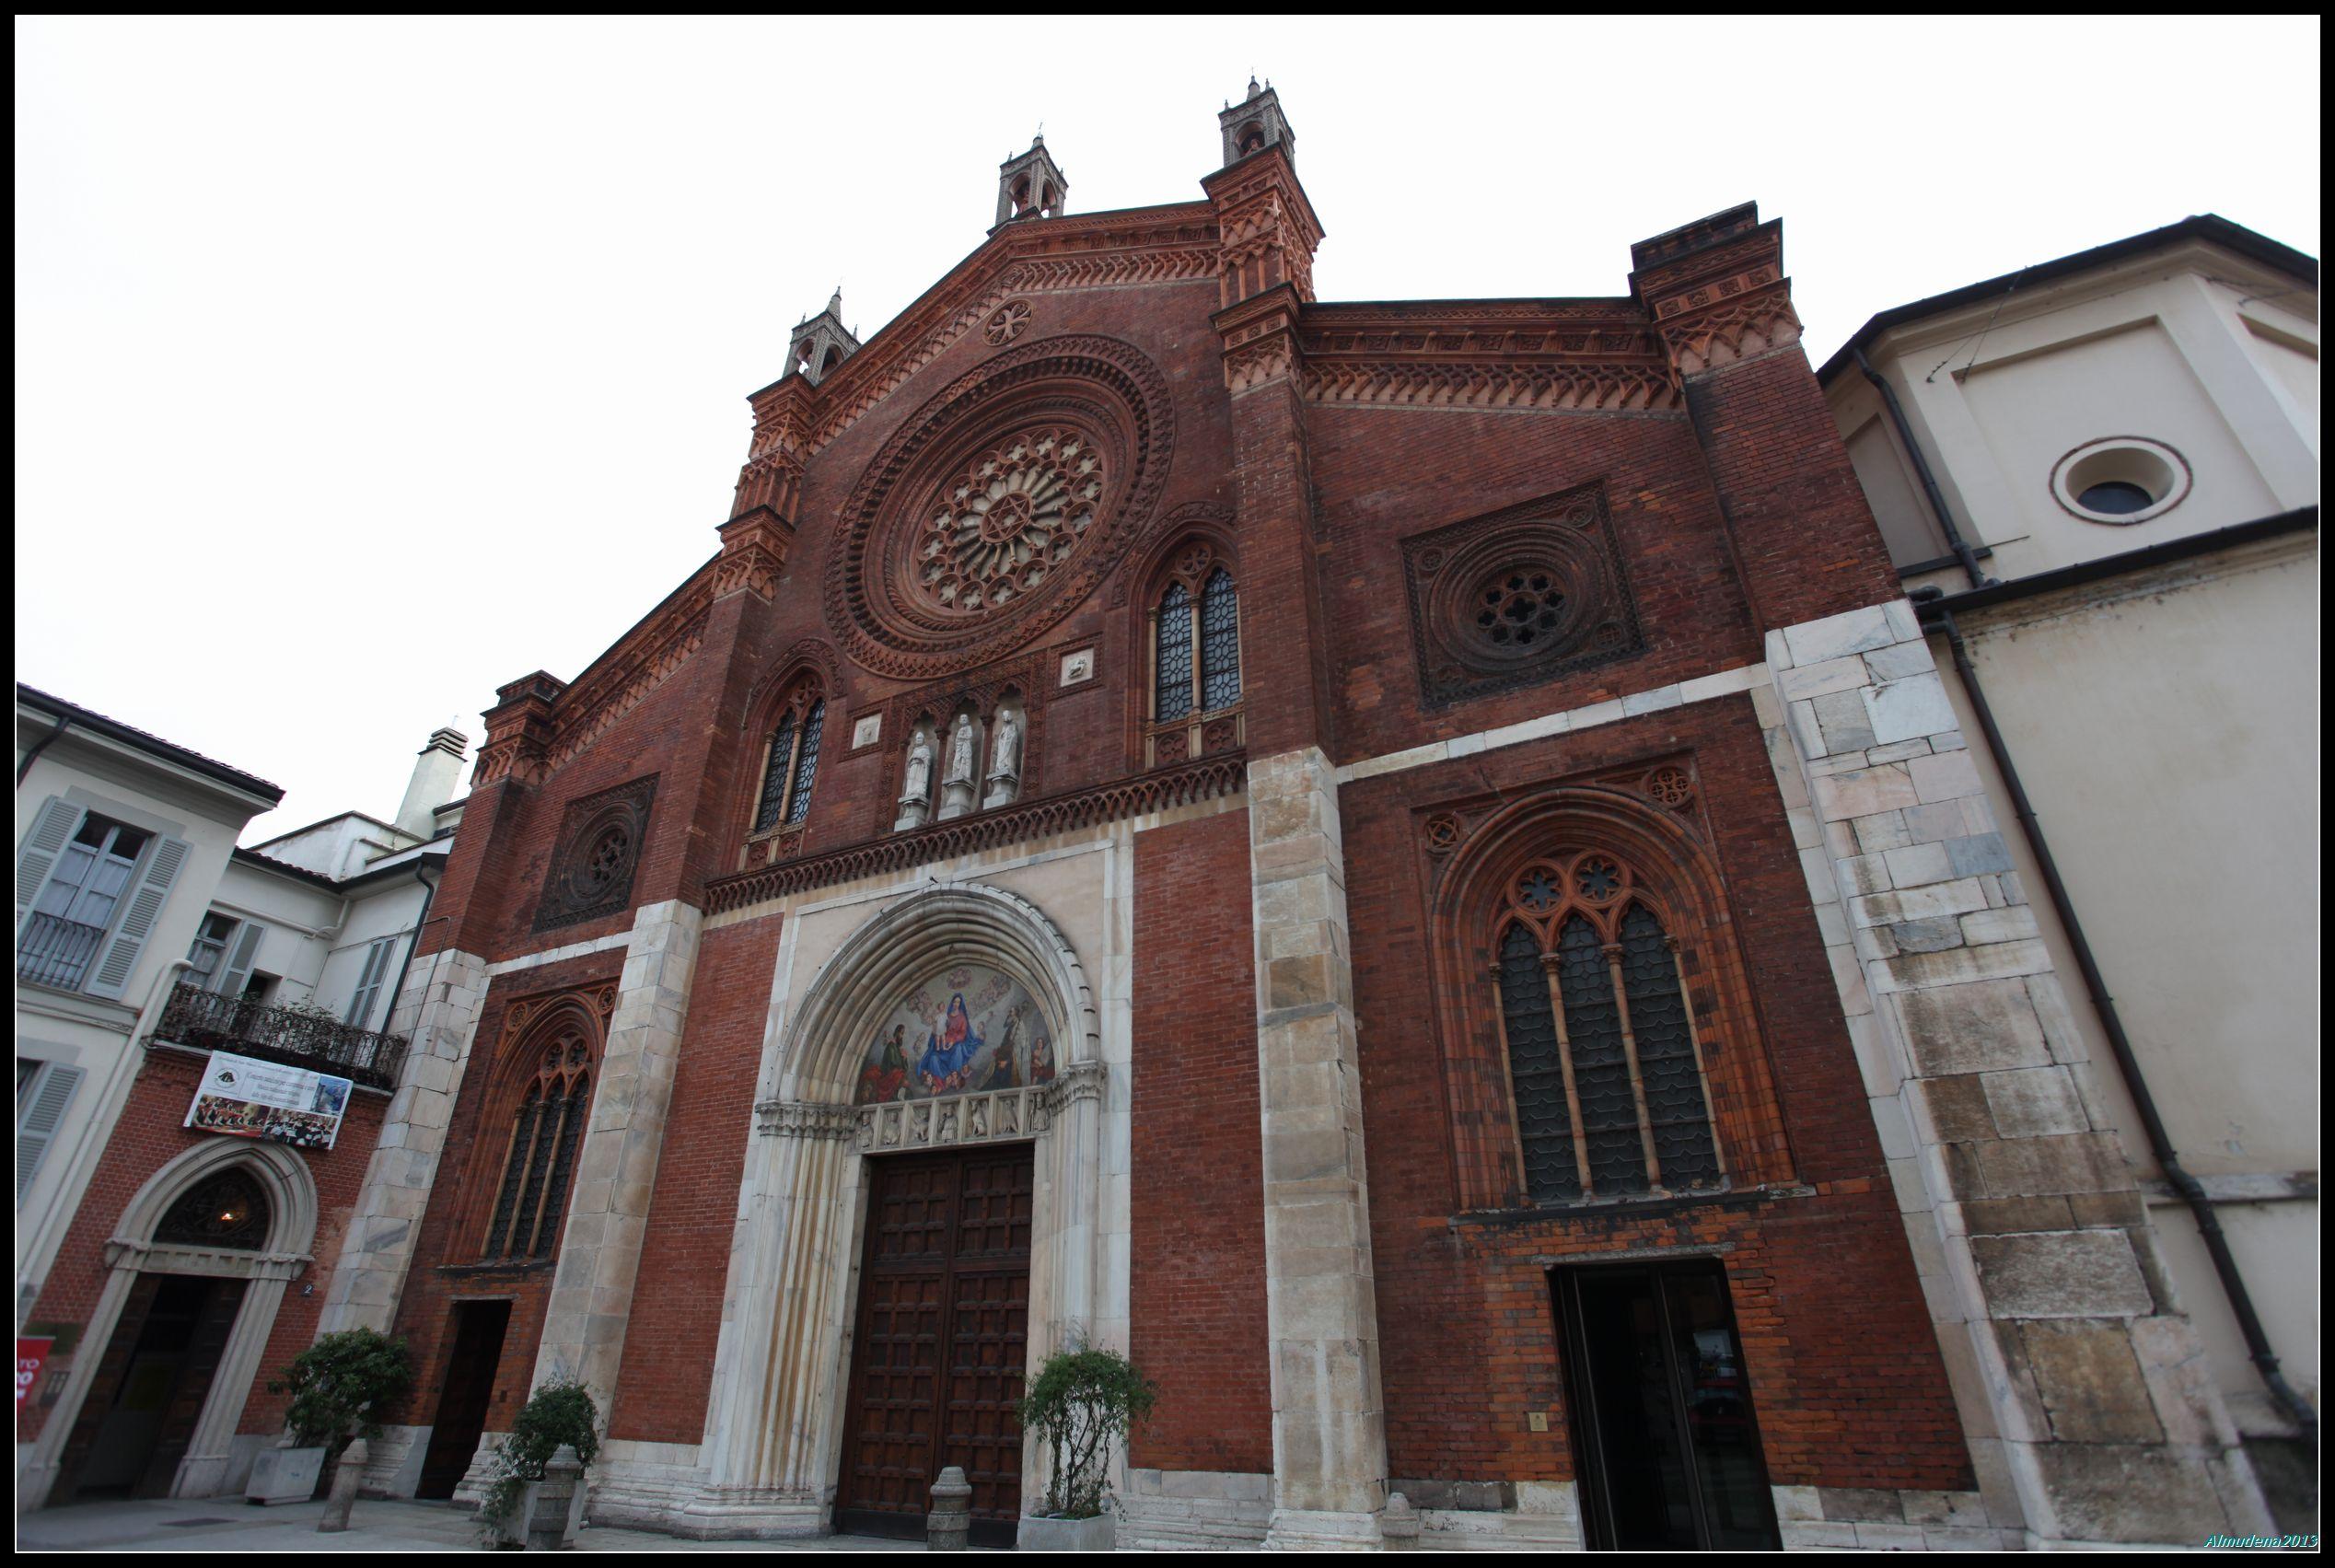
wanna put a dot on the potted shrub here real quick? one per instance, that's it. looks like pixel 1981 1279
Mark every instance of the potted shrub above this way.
pixel 558 1412
pixel 339 1386
pixel 1079 1403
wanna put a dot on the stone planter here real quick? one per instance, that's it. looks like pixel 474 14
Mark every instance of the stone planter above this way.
pixel 511 1531
pixel 285 1475
pixel 1064 1535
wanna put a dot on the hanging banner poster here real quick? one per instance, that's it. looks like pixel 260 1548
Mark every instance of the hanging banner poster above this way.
pixel 246 1098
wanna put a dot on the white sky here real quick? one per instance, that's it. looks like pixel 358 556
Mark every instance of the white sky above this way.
pixel 363 366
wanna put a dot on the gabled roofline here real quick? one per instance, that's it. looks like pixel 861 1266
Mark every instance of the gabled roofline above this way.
pixel 2208 227
pixel 152 744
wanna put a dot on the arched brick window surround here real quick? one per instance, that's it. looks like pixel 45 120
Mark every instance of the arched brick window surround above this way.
pixel 1186 563
pixel 773 809
pixel 1674 877
pixel 532 1026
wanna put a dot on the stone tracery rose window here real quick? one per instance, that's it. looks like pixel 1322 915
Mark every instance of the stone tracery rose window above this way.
pixel 1019 511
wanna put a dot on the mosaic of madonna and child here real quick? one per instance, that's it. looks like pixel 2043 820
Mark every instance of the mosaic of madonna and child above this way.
pixel 968 1031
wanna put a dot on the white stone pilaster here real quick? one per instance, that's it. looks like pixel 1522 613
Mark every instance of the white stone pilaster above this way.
pixel 2072 1366
pixel 438 1013
pixel 1329 1449
pixel 591 1303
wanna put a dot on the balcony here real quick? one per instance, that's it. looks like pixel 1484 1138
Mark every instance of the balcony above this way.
pixel 295 1036
pixel 54 951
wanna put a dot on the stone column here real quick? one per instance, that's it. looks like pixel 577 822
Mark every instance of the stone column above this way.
pixel 1329 1430
pixel 438 1012
pixel 2082 1385
pixel 591 1304
pixel 789 1268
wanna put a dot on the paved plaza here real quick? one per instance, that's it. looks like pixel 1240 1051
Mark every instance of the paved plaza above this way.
pixel 229 1524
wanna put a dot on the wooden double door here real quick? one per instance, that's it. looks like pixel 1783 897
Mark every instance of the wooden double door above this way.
pixel 941 1344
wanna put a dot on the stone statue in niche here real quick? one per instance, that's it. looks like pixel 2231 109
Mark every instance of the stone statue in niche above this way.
pixel 956 784
pixel 1005 762
pixel 916 794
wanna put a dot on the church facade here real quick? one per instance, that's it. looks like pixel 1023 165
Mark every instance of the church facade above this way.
pixel 1320 845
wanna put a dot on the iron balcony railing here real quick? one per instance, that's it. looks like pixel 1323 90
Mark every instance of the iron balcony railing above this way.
pixel 51 951
pixel 211 1021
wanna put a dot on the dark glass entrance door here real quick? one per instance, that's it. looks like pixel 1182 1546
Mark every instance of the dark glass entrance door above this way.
pixel 1665 1441
pixel 942 1341
pixel 479 1328
pixel 150 1388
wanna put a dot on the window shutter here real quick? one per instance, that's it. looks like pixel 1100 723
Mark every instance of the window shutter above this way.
pixel 37 1124
pixel 237 968
pixel 120 955
pixel 52 825
pixel 368 986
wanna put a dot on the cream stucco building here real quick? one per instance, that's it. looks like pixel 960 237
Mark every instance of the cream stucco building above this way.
pixel 2104 470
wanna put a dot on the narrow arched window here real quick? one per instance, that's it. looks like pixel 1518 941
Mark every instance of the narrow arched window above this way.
pixel 539 1158
pixel 1219 642
pixel 1174 662
pixel 791 766
pixel 1604 1066
pixel 1197 648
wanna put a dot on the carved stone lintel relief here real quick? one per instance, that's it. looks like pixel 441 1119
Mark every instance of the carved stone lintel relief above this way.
pixel 794 1119
pixel 997 1117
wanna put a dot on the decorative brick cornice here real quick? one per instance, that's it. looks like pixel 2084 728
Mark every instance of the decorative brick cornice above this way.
pixel 1554 354
pixel 1260 337
pixel 1716 290
pixel 1147 247
pixel 1158 791
pixel 753 554
pixel 1267 231
pixel 1553 385
pixel 1733 329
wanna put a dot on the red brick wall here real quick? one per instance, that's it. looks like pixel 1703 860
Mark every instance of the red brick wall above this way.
pixel 668 1351
pixel 1385 475
pixel 149 1135
pixel 1198 1275
pixel 1849 1385
pixel 1803 530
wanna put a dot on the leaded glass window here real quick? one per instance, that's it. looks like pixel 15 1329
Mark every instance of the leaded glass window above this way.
pixel 777 771
pixel 1219 642
pixel 1174 661
pixel 1536 1071
pixel 546 1132
pixel 1603 1063
pixel 792 765
pixel 798 802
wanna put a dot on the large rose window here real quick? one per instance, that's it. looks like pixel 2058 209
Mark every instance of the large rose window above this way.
pixel 1017 512
pixel 999 506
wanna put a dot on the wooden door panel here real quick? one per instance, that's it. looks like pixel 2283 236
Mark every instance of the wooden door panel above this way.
pixel 942 1339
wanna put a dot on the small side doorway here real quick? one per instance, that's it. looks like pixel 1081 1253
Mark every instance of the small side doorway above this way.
pixel 1664 1437
pixel 479 1328
pixel 155 1374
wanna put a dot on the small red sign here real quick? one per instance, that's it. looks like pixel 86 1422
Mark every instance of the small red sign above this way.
pixel 30 1354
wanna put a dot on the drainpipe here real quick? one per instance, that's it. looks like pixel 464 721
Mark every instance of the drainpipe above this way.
pixel 42 745
pixel 1954 539
pixel 2160 1140
pixel 429 892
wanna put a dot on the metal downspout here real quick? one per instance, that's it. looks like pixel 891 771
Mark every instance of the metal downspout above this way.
pixel 2186 1186
pixel 1954 539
